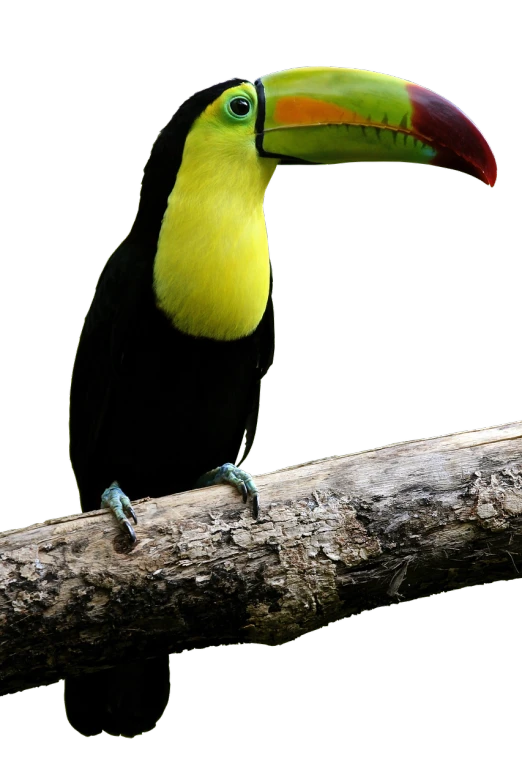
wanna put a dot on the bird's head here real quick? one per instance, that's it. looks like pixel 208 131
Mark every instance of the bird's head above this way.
pixel 337 115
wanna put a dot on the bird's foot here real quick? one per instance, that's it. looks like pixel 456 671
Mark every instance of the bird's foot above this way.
pixel 120 505
pixel 240 479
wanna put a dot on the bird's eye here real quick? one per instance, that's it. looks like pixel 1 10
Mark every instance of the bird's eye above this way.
pixel 239 107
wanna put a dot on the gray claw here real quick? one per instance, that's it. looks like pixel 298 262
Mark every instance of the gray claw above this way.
pixel 120 505
pixel 238 478
pixel 130 529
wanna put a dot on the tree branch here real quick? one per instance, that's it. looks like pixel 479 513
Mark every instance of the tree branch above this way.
pixel 334 537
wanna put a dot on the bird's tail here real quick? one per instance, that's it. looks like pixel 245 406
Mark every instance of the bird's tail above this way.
pixel 124 701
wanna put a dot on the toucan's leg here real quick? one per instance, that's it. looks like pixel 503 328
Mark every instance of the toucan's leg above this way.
pixel 120 505
pixel 240 479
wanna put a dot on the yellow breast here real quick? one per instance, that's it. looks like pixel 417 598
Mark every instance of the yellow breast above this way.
pixel 212 269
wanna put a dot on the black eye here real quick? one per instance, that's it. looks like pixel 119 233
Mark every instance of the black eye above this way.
pixel 239 106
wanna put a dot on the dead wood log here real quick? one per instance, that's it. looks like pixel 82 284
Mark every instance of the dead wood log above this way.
pixel 334 537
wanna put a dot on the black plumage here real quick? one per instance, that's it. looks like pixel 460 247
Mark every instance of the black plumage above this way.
pixel 153 409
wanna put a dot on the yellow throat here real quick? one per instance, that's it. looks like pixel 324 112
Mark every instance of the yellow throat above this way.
pixel 212 268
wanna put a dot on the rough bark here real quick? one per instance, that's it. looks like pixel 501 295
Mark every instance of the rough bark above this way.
pixel 334 537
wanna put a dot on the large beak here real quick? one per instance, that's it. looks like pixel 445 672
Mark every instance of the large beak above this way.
pixel 335 115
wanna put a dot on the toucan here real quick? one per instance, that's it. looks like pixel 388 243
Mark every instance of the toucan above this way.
pixel 180 332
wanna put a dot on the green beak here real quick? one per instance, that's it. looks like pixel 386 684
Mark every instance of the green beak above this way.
pixel 335 115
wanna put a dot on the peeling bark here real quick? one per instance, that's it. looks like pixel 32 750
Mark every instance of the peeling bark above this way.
pixel 334 537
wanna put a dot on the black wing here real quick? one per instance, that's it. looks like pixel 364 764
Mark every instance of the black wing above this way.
pixel 266 346
pixel 123 291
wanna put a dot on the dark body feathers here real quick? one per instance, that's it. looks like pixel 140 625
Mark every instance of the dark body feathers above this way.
pixel 153 409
